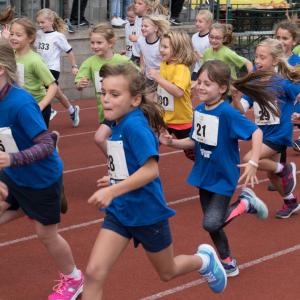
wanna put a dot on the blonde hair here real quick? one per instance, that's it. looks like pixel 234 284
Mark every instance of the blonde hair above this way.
pixel 182 50
pixel 160 21
pixel 57 22
pixel 227 32
pixel 130 8
pixel 106 30
pixel 8 62
pixel 206 14
pixel 277 52
pixel 6 15
pixel 28 26
pixel 155 7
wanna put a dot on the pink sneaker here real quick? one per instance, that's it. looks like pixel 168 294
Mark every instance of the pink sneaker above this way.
pixel 67 288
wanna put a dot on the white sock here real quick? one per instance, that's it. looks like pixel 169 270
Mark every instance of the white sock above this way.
pixel 289 197
pixel 71 109
pixel 76 274
pixel 205 261
pixel 279 168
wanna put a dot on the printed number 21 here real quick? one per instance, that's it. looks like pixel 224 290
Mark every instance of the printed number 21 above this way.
pixel 201 128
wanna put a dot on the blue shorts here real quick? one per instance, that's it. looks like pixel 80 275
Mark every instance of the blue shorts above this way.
pixel 42 205
pixel 275 147
pixel 154 238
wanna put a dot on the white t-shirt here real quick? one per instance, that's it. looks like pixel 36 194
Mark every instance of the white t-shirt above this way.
pixel 200 43
pixel 50 45
pixel 138 31
pixel 129 29
pixel 151 54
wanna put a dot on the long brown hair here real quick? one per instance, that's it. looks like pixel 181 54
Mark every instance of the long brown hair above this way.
pixel 8 62
pixel 137 86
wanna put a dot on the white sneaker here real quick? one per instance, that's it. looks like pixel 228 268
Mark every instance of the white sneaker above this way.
pixel 53 114
pixel 115 22
pixel 121 20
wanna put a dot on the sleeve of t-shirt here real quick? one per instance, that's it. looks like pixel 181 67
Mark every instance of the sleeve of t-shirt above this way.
pixel 84 71
pixel 236 59
pixel 181 77
pixel 143 143
pixel 291 89
pixel 42 72
pixel 62 43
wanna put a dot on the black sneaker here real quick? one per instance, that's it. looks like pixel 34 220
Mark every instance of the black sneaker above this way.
pixel 175 22
pixel 289 207
pixel 289 179
pixel 84 22
pixel 231 268
pixel 296 145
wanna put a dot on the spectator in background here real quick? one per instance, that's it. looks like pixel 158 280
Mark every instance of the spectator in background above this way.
pixel 118 7
pixel 74 15
pixel 176 7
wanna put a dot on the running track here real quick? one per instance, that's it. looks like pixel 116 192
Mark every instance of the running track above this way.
pixel 268 252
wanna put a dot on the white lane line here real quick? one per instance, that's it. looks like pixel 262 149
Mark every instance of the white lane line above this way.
pixel 105 164
pixel 242 266
pixel 81 109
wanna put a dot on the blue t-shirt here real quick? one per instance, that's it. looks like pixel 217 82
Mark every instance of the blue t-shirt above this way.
pixel 20 112
pixel 294 60
pixel 285 92
pixel 215 168
pixel 146 205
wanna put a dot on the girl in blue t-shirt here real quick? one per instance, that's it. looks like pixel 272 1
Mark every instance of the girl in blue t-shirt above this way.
pixel 132 194
pixel 277 130
pixel 217 127
pixel 31 173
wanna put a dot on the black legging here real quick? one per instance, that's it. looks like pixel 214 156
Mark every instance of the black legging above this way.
pixel 46 114
pixel 176 7
pixel 216 211
pixel 74 11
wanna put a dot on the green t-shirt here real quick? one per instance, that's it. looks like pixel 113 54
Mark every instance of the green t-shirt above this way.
pixel 90 69
pixel 228 56
pixel 296 50
pixel 34 74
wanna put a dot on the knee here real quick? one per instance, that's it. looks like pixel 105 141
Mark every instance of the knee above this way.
pixel 211 225
pixel 166 276
pixel 95 273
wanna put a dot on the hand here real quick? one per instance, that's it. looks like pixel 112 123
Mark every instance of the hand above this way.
pixel 295 119
pixel 4 160
pixel 74 71
pixel 83 83
pixel 102 198
pixel 153 74
pixel 132 38
pixel 249 174
pixel 165 138
pixel 103 182
pixel 3 191
pixel 5 32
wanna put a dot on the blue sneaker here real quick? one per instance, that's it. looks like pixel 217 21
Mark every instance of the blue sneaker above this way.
pixel 255 205
pixel 75 116
pixel 214 274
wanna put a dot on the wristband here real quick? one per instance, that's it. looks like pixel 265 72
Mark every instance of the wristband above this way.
pixel 74 66
pixel 253 163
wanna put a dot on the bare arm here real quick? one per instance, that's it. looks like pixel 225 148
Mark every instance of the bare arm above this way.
pixel 72 60
pixel 51 92
pixel 183 144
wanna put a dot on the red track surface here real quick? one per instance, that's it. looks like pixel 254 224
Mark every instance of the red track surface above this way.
pixel 267 251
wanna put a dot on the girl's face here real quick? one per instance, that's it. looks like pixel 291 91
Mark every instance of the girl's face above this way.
pixel 131 16
pixel 264 60
pixel 216 39
pixel 140 7
pixel 202 25
pixel 116 98
pixel 208 91
pixel 286 39
pixel 165 50
pixel 44 23
pixel 99 45
pixel 148 28
pixel 18 38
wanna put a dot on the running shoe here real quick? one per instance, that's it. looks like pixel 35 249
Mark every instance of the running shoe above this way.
pixel 289 207
pixel 231 268
pixel 175 22
pixel 75 116
pixel 296 145
pixel 214 273
pixel 53 114
pixel 289 179
pixel 69 26
pixel 255 205
pixel 67 288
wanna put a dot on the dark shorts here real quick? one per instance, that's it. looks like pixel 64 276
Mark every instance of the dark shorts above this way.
pixel 55 75
pixel 154 238
pixel 108 123
pixel 275 147
pixel 135 59
pixel 46 114
pixel 42 205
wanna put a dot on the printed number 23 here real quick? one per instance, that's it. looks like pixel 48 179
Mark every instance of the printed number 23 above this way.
pixel 201 130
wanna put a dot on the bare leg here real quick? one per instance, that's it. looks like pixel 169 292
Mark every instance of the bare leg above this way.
pixel 62 98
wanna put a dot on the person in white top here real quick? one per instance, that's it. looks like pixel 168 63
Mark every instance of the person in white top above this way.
pixel 200 39
pixel 50 43
pixel 129 30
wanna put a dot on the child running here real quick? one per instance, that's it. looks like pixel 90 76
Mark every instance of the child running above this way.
pixel 217 128
pixel 50 43
pixel 174 83
pixel 200 39
pixel 132 194
pixel 129 30
pixel 277 127
pixel 6 16
pixel 31 173
pixel 102 41
pixel 220 35
pixel 34 75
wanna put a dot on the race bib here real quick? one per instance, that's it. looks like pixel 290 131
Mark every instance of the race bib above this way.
pixel 206 128
pixel 165 99
pixel 20 73
pixel 7 141
pixel 98 82
pixel 117 166
pixel 264 118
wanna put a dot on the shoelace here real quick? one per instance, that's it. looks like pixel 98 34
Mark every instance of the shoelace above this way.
pixel 60 286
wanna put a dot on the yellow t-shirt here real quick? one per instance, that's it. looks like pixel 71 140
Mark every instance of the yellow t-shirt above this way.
pixel 178 74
